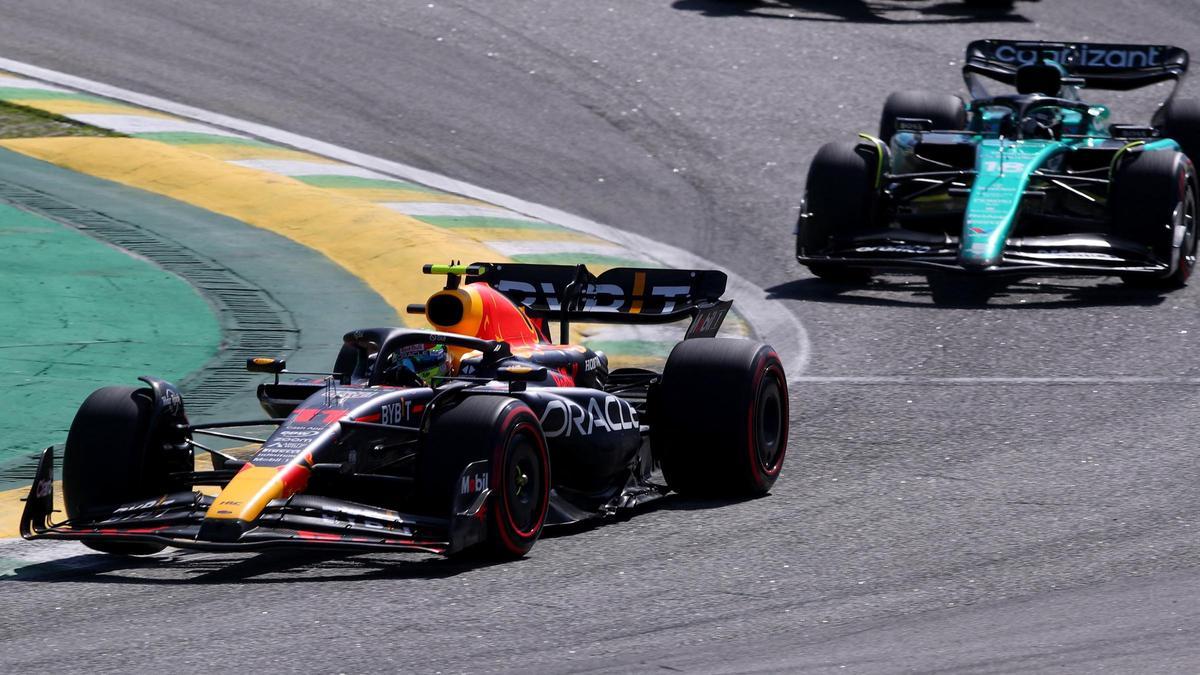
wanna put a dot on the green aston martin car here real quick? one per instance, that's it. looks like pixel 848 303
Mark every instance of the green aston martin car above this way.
pixel 1031 182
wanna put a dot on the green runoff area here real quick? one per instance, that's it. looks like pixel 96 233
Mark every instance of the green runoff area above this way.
pixel 78 314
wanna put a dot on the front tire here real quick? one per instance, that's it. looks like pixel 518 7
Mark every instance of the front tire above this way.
pixel 507 432
pixel 109 460
pixel 841 197
pixel 720 420
pixel 1153 196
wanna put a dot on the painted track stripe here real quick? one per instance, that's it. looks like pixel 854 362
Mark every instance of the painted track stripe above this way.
pixel 289 167
pixel 419 209
pixel 479 223
pixel 521 247
pixel 202 138
pixel 139 124
pixel 26 94
pixel 364 184
pixel 782 329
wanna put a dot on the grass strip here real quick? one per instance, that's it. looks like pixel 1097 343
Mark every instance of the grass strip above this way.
pixel 18 121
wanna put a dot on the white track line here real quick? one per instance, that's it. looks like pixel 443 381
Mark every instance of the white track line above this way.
pixel 140 124
pixel 518 247
pixel 772 322
pixel 21 83
pixel 943 381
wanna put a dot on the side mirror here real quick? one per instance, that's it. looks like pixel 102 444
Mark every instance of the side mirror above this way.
pixel 264 365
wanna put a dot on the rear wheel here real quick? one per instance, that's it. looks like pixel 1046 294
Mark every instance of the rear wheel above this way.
pixel 1180 121
pixel 720 420
pixel 945 111
pixel 1154 202
pixel 841 195
pixel 109 460
pixel 507 432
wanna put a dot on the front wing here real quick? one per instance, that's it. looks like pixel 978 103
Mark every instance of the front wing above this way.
pixel 301 521
pixel 1064 255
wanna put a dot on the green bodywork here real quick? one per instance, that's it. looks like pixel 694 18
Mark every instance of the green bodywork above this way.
pixel 1004 168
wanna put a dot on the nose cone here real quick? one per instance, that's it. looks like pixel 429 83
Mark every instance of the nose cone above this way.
pixel 244 498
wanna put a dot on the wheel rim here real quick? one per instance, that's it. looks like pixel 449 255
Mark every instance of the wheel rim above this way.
pixel 769 431
pixel 523 482
pixel 1187 255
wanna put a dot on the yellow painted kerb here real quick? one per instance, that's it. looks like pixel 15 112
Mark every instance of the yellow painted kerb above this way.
pixel 384 248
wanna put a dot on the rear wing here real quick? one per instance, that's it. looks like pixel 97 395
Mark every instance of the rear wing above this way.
pixel 627 295
pixel 1116 67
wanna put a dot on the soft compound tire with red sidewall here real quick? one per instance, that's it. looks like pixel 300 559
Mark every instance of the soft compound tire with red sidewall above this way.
pixel 720 418
pixel 507 432
pixel 106 460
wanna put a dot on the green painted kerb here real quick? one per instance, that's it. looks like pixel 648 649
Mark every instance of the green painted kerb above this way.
pixel 76 315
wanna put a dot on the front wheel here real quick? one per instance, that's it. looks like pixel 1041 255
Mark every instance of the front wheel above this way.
pixel 507 432
pixel 841 200
pixel 720 418
pixel 1154 202
pixel 108 460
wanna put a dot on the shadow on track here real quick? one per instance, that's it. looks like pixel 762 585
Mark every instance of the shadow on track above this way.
pixel 1015 295
pixel 177 567
pixel 861 11
pixel 192 568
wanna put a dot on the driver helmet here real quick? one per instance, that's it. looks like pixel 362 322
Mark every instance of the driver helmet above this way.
pixel 427 360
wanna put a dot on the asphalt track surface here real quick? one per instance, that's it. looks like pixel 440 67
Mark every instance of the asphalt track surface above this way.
pixel 1007 489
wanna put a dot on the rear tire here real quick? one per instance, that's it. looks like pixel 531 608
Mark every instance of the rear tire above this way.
pixel 507 432
pixel 108 460
pixel 720 419
pixel 1152 194
pixel 841 195
pixel 945 111
pixel 1181 122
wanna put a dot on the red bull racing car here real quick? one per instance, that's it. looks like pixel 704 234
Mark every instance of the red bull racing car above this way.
pixel 474 435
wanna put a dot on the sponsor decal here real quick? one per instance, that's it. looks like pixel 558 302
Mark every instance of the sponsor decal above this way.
pixel 473 482
pixel 1084 55
pixel 44 488
pixel 171 401
pixel 563 417
pixel 591 364
pixel 343 394
pixel 894 248
pixel 297 433
pixel 396 413
pixel 602 297
pixel 285 444
pixel 1003 167
pixel 1059 253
